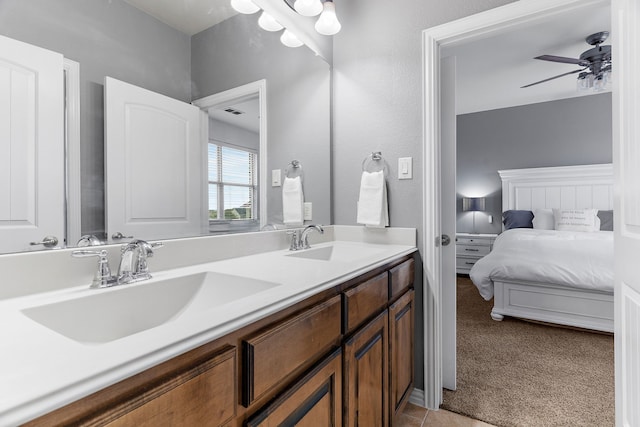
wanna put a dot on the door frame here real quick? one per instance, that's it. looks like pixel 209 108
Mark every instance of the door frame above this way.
pixel 474 27
pixel 259 88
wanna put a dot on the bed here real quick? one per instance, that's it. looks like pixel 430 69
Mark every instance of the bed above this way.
pixel 561 277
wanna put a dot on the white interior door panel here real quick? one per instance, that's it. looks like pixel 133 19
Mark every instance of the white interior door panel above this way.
pixel 31 145
pixel 153 168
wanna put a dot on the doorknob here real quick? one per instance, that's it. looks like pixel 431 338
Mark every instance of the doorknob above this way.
pixel 443 240
pixel 118 235
pixel 47 242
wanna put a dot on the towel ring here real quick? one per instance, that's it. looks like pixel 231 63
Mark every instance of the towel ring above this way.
pixel 374 162
pixel 294 169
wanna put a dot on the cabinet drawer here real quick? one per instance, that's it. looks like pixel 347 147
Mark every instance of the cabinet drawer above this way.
pixel 204 395
pixel 471 250
pixel 314 400
pixel 365 300
pixel 465 263
pixel 473 241
pixel 401 278
pixel 271 356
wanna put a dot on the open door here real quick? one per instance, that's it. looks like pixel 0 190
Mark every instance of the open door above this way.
pixel 626 164
pixel 448 208
pixel 153 164
pixel 31 147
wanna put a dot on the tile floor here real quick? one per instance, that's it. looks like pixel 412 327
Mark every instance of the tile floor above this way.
pixel 415 416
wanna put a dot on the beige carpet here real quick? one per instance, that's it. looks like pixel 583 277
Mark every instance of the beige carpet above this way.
pixel 517 373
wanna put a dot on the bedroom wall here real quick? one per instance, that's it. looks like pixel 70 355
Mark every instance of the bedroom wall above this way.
pixel 557 133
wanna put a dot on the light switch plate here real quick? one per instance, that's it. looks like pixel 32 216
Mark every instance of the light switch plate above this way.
pixel 308 211
pixel 405 168
pixel 276 178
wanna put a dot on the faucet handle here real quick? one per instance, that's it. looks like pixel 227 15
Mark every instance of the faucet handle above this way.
pixel 295 239
pixel 102 277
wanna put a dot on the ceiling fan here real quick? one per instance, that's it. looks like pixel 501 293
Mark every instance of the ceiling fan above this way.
pixel 595 63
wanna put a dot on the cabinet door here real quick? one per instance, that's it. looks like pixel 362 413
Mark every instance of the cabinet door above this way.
pixel 401 315
pixel 314 401
pixel 203 395
pixel 366 375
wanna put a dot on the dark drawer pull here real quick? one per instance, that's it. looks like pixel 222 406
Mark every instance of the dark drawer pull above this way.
pixel 471 250
pixel 469 263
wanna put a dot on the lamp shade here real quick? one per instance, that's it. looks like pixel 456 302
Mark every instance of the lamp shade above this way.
pixel 474 204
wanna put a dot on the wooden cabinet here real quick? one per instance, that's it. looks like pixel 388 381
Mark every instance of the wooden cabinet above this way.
pixel 342 356
pixel 313 401
pixel 401 353
pixel 273 354
pixel 366 375
pixel 203 395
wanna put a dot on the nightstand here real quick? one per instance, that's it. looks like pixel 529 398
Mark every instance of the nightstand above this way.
pixel 470 248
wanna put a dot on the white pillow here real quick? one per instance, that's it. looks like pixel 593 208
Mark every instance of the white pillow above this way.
pixel 543 219
pixel 576 219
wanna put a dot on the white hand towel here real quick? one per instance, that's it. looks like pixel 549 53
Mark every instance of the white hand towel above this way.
pixel 292 201
pixel 373 210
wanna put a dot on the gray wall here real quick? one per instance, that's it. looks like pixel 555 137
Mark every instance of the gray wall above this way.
pixel 237 52
pixel 107 38
pixel 377 59
pixel 573 131
pixel 234 135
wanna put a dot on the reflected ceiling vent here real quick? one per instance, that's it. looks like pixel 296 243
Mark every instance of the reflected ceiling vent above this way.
pixel 233 111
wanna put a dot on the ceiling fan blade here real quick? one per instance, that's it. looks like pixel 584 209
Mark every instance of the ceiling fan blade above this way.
pixel 553 78
pixel 562 59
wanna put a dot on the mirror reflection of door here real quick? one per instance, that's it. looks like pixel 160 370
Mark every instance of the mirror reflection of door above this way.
pixel 153 164
pixel 31 146
pixel 233 159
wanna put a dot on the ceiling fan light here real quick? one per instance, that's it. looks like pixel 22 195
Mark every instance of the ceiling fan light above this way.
pixel 269 23
pixel 308 7
pixel 328 23
pixel 244 6
pixel 289 39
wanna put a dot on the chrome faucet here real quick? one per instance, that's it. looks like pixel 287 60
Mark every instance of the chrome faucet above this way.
pixel 133 262
pixel 300 238
pixel 304 237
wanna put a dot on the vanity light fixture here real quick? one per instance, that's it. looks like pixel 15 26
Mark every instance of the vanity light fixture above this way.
pixel 269 23
pixel 289 39
pixel 246 7
pixel 308 7
pixel 328 23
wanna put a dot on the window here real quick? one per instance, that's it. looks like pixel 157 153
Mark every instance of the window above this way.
pixel 232 183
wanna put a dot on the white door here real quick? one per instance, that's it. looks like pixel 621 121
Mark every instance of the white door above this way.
pixel 448 220
pixel 626 162
pixel 31 146
pixel 153 164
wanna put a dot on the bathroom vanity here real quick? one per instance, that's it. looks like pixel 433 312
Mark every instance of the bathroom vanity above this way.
pixel 324 337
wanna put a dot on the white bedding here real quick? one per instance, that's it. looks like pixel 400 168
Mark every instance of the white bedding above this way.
pixel 574 259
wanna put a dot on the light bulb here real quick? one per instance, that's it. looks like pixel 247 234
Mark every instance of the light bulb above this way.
pixel 244 6
pixel 308 7
pixel 328 23
pixel 289 39
pixel 268 23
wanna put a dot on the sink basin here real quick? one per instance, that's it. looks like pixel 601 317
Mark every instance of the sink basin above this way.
pixel 108 315
pixel 336 252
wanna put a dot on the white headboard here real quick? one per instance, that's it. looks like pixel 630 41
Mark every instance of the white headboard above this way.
pixel 566 187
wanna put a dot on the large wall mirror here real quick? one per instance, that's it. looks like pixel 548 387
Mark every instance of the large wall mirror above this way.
pixel 112 38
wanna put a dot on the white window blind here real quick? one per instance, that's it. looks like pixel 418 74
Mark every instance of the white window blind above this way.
pixel 232 183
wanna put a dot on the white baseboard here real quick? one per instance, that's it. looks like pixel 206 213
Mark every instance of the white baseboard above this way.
pixel 417 397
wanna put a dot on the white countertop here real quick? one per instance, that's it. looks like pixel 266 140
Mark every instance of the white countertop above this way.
pixel 43 370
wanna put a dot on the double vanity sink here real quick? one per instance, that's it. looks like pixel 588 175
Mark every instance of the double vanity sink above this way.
pixel 67 343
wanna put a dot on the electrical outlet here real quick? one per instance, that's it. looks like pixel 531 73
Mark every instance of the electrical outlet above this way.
pixel 490 219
